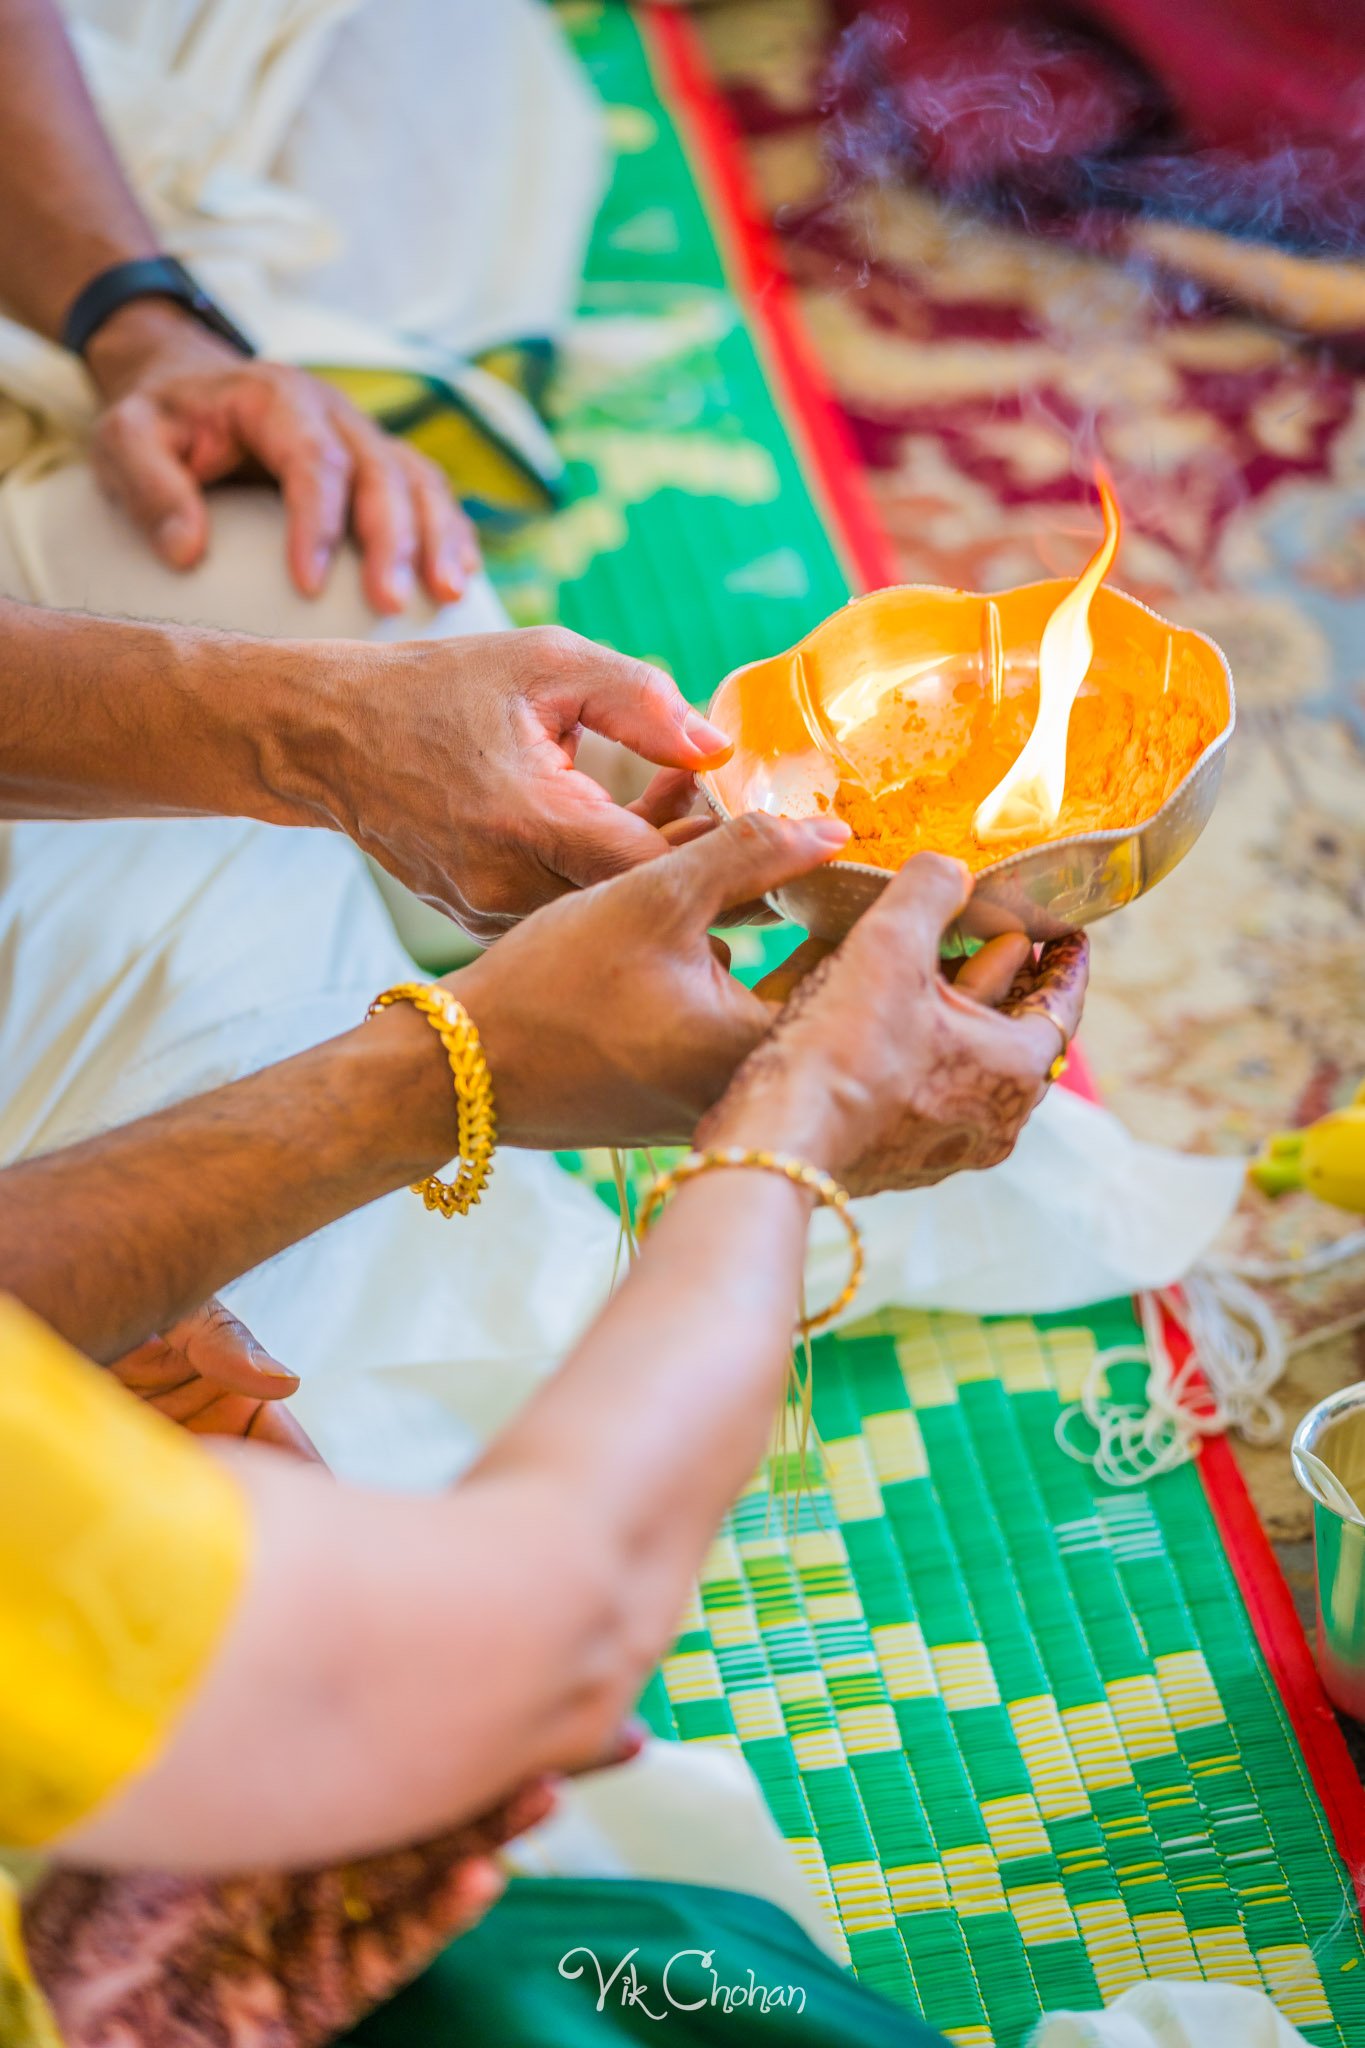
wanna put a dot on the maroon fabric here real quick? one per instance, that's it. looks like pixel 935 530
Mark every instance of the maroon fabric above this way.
pixel 1246 113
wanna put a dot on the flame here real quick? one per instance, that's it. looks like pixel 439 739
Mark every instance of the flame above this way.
pixel 1028 797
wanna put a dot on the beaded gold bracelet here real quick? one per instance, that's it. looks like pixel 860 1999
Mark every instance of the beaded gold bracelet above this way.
pixel 476 1120
pixel 826 1190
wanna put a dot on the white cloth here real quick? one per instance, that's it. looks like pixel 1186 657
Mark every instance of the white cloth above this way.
pixel 143 961
pixel 699 1799
pixel 366 184
pixel 1081 1211
pixel 1164 2014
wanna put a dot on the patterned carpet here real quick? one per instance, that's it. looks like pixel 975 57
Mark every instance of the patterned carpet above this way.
pixel 982 372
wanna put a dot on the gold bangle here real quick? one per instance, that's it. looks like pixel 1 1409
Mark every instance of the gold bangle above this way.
pixel 477 1121
pixel 827 1192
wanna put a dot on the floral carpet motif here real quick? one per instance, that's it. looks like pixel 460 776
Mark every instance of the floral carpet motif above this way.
pixel 982 372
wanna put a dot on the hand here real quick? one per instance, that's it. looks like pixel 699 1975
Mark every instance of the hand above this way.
pixel 183 409
pixel 277 1961
pixel 610 1017
pixel 452 762
pixel 888 1074
pixel 210 1375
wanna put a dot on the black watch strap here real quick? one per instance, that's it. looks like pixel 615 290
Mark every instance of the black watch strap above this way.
pixel 150 277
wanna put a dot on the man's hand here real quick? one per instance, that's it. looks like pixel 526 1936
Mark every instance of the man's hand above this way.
pixel 210 1375
pixel 184 410
pixel 609 1017
pixel 452 762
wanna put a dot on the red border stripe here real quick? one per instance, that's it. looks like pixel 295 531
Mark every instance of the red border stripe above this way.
pixel 675 51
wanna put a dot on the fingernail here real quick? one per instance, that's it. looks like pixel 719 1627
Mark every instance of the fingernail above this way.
pixel 710 742
pixel 271 1365
pixel 319 562
pixel 830 831
pixel 174 537
pixel 399 583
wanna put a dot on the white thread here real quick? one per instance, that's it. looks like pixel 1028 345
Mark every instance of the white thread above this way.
pixel 1237 1356
pixel 1302 1266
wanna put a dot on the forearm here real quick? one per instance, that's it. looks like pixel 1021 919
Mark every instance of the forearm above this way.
pixel 106 718
pixel 399 1664
pixel 66 209
pixel 668 1404
pixel 114 1239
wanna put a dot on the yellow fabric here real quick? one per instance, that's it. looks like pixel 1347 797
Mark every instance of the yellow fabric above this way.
pixel 25 2021
pixel 122 1549
pixel 495 481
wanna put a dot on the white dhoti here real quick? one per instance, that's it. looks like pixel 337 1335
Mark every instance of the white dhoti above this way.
pixel 360 183
pixel 146 960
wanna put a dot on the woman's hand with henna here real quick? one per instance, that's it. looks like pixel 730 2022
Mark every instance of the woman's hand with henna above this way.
pixel 889 1074
pixel 285 1960
pixel 275 1960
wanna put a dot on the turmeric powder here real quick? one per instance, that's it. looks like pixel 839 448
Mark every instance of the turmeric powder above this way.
pixel 1131 743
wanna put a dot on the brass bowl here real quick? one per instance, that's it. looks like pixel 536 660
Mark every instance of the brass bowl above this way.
pixel 777 711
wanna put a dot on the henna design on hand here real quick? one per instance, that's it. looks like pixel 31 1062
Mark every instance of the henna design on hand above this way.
pixel 927 1082
pixel 269 1961
pixel 1046 986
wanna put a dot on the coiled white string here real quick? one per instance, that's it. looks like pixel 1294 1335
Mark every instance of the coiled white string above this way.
pixel 1238 1354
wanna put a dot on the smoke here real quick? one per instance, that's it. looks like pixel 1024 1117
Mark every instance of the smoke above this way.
pixel 1020 366
pixel 1308 196
pixel 981 111
pixel 1048 125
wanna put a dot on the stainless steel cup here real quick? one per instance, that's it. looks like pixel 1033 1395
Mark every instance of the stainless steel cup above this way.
pixel 1335 1432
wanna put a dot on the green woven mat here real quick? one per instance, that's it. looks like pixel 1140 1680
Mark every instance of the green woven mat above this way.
pixel 691 538
pixel 1017 1729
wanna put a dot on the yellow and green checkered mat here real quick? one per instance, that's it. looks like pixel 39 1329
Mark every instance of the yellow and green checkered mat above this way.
pixel 1018 1729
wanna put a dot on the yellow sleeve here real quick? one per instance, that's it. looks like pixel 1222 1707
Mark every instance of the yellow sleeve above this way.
pixel 123 1546
pixel 25 2021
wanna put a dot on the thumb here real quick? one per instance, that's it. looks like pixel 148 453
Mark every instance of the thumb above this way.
pixel 781 983
pixel 640 706
pixel 137 463
pixel 747 858
pixel 919 903
pixel 221 1349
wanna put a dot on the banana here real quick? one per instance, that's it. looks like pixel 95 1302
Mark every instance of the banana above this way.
pixel 1327 1158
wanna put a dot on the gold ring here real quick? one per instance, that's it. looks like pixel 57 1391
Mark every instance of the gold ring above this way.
pixel 1059 1065
pixel 1039 1004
